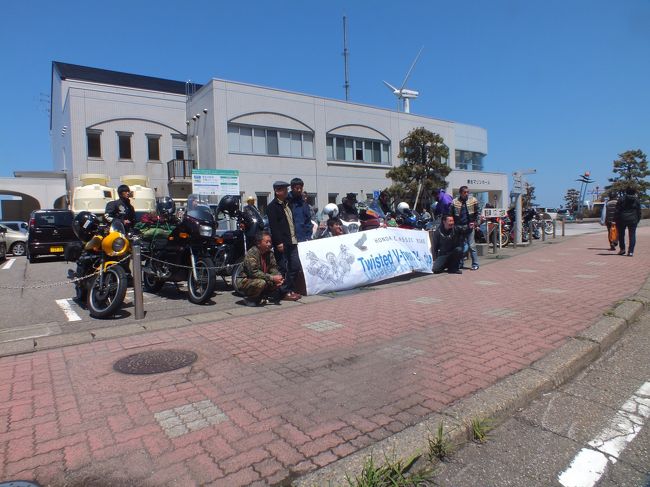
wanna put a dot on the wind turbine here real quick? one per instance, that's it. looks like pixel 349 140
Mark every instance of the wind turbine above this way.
pixel 402 93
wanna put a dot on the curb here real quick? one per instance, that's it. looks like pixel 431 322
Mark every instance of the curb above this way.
pixel 496 403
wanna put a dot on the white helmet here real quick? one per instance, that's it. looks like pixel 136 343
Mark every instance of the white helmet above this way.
pixel 331 210
pixel 403 207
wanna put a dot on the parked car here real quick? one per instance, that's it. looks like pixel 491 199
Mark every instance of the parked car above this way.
pixel 3 245
pixel 50 232
pixel 15 225
pixel 15 241
pixel 565 214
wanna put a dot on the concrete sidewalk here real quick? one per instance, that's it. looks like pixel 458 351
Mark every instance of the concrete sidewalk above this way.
pixel 278 394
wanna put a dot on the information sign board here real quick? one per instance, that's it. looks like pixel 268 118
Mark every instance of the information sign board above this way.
pixel 215 182
pixel 495 212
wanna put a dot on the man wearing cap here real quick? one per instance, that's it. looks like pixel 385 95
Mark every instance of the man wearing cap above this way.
pixel 301 211
pixel 348 209
pixel 121 209
pixel 283 236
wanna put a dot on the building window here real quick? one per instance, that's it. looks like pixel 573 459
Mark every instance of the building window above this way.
pixel 262 201
pixel 153 146
pixel 124 145
pixel 331 197
pixel 357 150
pixel 272 142
pixel 469 161
pixel 94 141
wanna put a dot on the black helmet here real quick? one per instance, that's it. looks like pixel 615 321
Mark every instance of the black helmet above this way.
pixel 85 225
pixel 229 205
pixel 166 206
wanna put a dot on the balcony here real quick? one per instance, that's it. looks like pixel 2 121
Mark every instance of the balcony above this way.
pixel 180 170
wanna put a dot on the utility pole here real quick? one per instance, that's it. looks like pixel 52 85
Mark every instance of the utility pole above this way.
pixel 346 55
pixel 518 188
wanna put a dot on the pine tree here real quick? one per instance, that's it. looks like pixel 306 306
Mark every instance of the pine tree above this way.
pixel 572 199
pixel 528 198
pixel 423 169
pixel 631 171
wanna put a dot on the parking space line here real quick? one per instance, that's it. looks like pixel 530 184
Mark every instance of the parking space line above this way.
pixel 65 306
pixel 8 264
pixel 590 464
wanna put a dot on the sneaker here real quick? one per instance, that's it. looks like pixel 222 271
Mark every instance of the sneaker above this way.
pixel 630 254
pixel 291 296
pixel 621 252
pixel 613 247
pixel 251 303
pixel 474 267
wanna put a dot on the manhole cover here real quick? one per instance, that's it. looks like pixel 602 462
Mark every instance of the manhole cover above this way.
pixel 155 362
pixel 18 483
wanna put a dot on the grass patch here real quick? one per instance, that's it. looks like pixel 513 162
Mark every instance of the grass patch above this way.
pixel 439 445
pixel 479 429
pixel 393 473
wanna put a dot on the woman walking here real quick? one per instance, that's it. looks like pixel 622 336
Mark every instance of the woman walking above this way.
pixel 628 214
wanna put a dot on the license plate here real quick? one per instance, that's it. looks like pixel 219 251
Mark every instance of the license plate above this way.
pixel 56 249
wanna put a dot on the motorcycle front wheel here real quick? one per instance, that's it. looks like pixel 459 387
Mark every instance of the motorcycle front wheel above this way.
pixel 548 227
pixel 234 276
pixel 151 283
pixel 105 299
pixel 200 289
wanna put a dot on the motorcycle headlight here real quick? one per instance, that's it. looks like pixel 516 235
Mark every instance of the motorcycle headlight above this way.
pixel 205 230
pixel 118 244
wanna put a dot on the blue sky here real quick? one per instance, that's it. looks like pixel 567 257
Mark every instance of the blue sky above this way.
pixel 560 86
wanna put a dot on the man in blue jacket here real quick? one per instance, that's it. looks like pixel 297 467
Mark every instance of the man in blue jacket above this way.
pixel 301 211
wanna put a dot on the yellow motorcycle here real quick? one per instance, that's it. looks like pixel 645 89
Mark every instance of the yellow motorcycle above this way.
pixel 100 278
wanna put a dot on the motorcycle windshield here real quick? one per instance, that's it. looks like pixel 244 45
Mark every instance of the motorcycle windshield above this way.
pixel 374 206
pixel 198 208
pixel 118 226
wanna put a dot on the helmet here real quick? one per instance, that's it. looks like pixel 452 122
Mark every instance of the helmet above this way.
pixel 166 206
pixel 331 210
pixel 229 205
pixel 85 225
pixel 403 208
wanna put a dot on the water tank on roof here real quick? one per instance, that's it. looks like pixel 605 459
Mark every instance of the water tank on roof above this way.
pixel 93 194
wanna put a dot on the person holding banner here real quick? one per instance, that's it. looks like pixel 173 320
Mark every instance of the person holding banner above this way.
pixel 283 236
pixel 260 277
pixel 448 247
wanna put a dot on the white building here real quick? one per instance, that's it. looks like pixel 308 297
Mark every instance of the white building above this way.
pixel 116 123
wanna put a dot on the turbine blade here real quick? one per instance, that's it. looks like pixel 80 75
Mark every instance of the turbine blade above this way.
pixel 390 86
pixel 408 74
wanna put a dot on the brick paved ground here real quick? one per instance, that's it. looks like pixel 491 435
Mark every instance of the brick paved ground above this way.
pixel 283 392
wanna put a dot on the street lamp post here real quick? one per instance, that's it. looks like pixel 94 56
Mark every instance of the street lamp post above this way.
pixel 518 188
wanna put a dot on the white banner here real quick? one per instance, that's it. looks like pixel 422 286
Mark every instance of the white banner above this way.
pixel 495 212
pixel 357 259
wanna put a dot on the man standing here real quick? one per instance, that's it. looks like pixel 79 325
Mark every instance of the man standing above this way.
pixel 260 277
pixel 628 214
pixel 466 212
pixel 283 237
pixel 443 203
pixel 348 208
pixel 121 209
pixel 301 211
pixel 448 247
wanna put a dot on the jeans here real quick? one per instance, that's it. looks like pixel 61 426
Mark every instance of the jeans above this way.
pixel 289 264
pixel 450 261
pixel 469 244
pixel 631 228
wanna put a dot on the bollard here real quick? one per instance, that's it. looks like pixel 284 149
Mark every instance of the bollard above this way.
pixel 137 280
pixel 543 231
pixel 554 222
pixel 494 239
pixel 530 233
pixel 563 227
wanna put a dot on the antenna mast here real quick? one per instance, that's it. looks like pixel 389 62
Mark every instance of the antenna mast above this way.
pixel 346 54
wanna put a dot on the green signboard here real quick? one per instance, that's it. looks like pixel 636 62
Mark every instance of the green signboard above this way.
pixel 215 182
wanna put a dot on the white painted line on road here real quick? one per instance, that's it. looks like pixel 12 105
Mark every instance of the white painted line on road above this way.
pixel 8 265
pixel 64 304
pixel 530 271
pixel 590 464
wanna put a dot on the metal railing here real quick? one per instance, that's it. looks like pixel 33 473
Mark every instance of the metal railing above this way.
pixel 180 169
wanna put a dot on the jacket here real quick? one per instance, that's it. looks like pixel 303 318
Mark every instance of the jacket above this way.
pixel 252 267
pixel 610 211
pixel 472 210
pixel 628 210
pixel 278 224
pixel 444 242
pixel 444 204
pixel 301 218
pixel 121 210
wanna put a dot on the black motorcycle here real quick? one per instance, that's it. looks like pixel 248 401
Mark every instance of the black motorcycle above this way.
pixel 232 245
pixel 183 255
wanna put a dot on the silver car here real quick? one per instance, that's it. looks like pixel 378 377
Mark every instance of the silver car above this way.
pixel 15 225
pixel 16 241
pixel 3 245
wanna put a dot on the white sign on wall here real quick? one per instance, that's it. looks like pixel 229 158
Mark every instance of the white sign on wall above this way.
pixel 215 182
pixel 357 259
